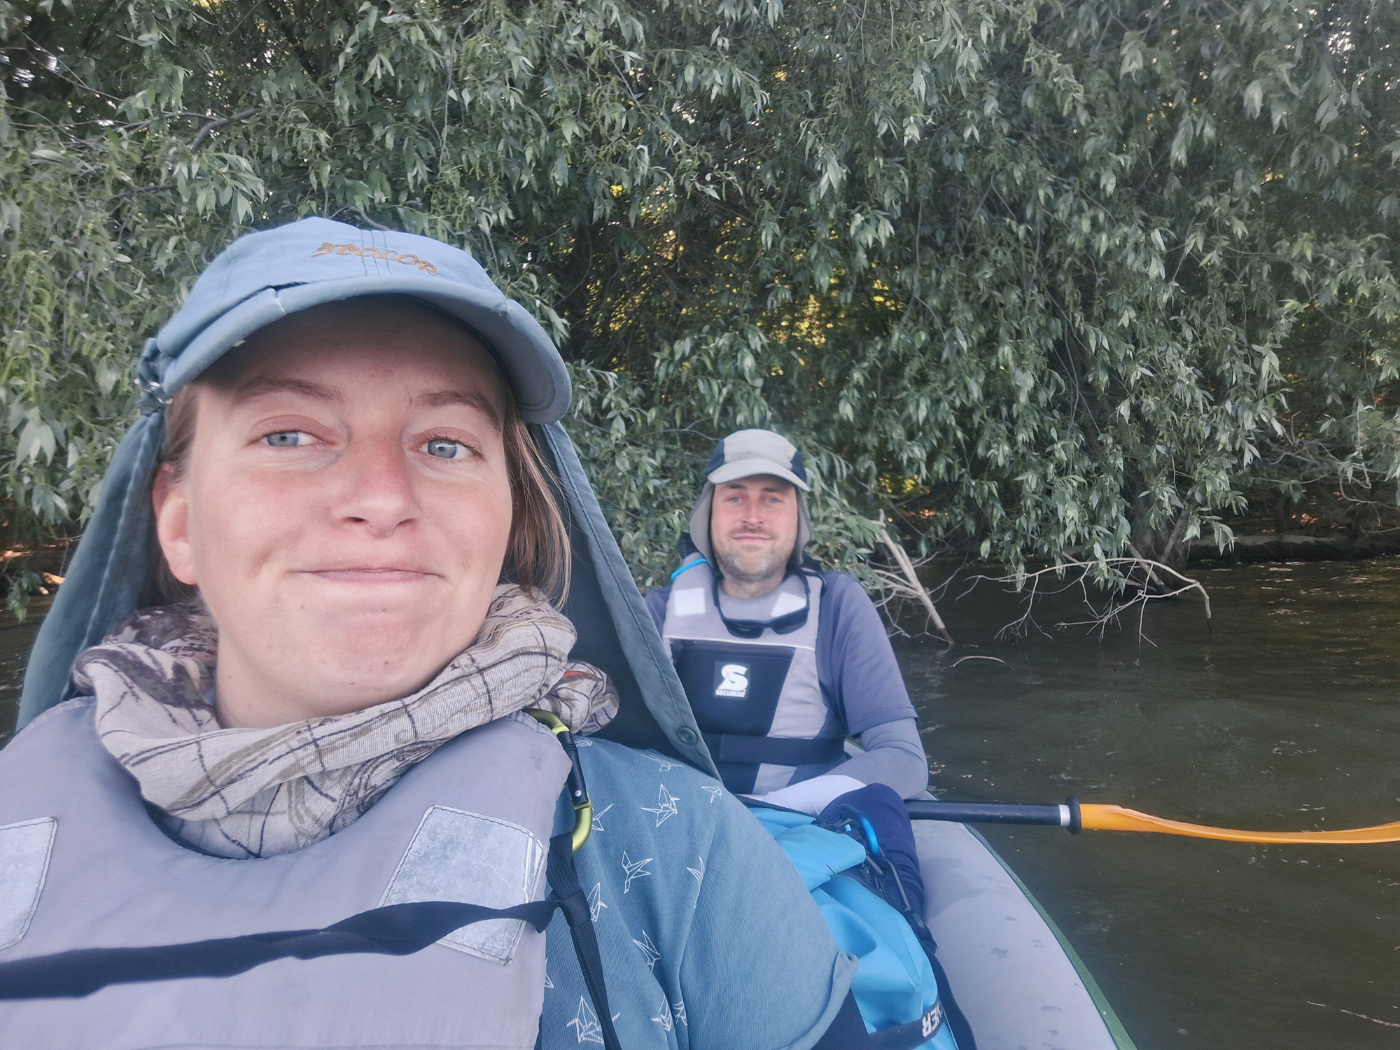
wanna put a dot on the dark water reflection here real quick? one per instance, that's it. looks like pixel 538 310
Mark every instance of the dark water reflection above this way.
pixel 1282 714
pixel 14 649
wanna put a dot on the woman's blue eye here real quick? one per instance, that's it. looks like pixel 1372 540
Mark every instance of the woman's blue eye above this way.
pixel 288 438
pixel 441 448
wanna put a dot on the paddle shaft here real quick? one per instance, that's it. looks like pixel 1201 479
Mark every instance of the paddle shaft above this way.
pixel 1065 815
pixel 1070 814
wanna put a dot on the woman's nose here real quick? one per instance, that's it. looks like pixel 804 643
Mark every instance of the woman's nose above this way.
pixel 378 488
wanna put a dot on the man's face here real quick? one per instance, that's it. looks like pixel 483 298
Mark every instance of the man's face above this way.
pixel 753 528
pixel 345 511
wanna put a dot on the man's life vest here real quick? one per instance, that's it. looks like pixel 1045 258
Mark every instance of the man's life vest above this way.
pixel 749 668
pixel 83 864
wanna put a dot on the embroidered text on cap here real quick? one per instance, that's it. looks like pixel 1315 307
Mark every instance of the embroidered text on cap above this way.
pixel 387 254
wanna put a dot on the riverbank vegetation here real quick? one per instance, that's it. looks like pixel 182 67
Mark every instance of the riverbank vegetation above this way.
pixel 1037 280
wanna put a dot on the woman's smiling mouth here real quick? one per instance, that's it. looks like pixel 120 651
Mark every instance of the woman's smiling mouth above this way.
pixel 370 575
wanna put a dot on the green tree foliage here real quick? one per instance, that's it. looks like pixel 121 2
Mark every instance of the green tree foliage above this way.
pixel 1019 273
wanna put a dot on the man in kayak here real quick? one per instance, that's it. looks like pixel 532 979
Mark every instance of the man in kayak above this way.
pixel 334 462
pixel 780 660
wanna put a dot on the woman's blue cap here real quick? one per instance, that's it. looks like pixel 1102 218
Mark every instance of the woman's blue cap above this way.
pixel 265 276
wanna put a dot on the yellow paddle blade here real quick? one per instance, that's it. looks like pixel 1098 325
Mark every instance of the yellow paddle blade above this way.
pixel 1116 818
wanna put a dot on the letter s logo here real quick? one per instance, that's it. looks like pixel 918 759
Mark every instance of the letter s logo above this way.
pixel 734 681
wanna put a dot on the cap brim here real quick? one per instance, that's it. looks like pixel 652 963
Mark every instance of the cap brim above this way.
pixel 748 468
pixel 526 355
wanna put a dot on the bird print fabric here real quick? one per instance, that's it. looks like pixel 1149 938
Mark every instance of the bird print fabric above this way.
pixel 709 938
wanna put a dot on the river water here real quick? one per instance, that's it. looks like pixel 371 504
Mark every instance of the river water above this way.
pixel 1281 713
pixel 14 648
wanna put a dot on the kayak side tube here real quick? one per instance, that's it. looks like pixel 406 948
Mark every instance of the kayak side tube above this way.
pixel 1017 979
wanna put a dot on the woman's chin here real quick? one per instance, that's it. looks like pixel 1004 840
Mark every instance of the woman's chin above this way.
pixel 342 658
pixel 375 659
pixel 364 681
pixel 380 626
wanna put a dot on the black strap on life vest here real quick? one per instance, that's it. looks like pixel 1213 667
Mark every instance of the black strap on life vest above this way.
pixel 780 751
pixel 396 929
pixel 563 880
pixel 847 1031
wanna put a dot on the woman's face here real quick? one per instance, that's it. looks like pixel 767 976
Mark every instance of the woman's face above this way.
pixel 345 510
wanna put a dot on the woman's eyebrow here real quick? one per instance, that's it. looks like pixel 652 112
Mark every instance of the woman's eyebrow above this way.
pixel 263 385
pixel 439 398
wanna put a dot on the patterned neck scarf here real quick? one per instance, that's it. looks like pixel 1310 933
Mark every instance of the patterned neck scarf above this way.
pixel 261 792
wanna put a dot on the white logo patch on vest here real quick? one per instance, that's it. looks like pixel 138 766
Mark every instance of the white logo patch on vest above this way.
pixel 733 681
pixel 24 863
pixel 472 859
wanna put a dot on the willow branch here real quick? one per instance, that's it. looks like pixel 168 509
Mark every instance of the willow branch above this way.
pixel 911 584
pixel 217 123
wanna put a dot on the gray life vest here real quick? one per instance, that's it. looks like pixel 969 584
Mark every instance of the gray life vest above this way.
pixel 84 865
pixel 757 700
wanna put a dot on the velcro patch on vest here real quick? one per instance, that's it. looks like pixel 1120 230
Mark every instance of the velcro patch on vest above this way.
pixel 689 602
pixel 472 859
pixel 24 864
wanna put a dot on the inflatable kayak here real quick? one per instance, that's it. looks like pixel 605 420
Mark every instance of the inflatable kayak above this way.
pixel 1016 978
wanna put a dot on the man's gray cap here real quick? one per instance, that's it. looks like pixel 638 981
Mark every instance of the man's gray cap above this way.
pixel 747 454
pixel 265 276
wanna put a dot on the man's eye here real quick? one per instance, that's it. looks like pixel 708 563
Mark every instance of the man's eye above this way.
pixel 288 438
pixel 442 448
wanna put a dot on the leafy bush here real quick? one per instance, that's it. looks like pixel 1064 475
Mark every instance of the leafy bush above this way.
pixel 1020 273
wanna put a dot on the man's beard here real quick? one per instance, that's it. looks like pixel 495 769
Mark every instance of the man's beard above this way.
pixel 753 569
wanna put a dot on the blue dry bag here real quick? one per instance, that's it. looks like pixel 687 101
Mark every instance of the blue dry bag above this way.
pixel 895 983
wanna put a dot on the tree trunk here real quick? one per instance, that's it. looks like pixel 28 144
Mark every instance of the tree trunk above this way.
pixel 1164 543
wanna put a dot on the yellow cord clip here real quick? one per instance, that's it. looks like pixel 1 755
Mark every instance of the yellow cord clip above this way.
pixel 578 791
